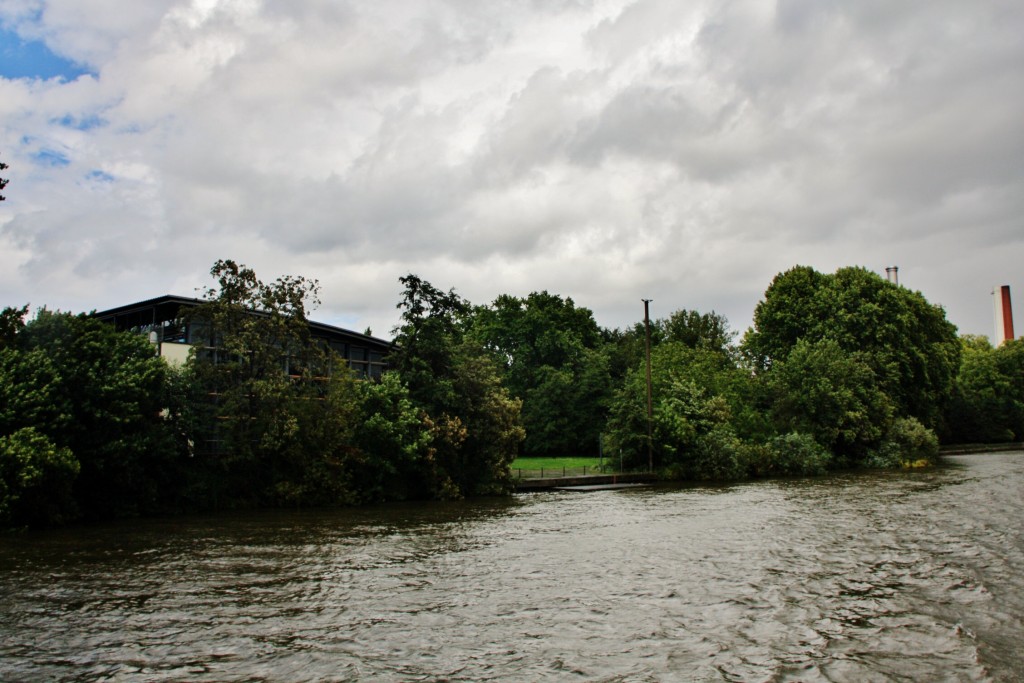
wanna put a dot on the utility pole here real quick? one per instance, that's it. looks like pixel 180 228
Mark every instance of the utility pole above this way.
pixel 650 404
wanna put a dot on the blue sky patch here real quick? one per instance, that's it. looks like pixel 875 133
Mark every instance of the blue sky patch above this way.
pixel 99 176
pixel 49 157
pixel 83 123
pixel 32 59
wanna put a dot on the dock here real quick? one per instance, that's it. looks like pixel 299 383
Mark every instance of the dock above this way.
pixel 602 487
pixel 589 482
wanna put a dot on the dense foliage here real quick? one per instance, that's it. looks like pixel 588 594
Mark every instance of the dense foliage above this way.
pixel 988 396
pixel 842 370
pixel 80 417
pixel 93 424
pixel 474 422
pixel 910 347
pixel 288 424
pixel 273 413
pixel 551 356
pixel 839 370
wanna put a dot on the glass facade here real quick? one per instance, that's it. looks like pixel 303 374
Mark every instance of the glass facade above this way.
pixel 366 356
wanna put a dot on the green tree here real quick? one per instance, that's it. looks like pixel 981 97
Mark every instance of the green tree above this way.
pixel 36 476
pixel 833 395
pixel 566 408
pixel 36 480
pixel 907 342
pixel 433 325
pixel 988 397
pixel 493 427
pixel 98 393
pixel 976 413
pixel 393 457
pixel 281 409
pixel 551 355
pixel 12 321
pixel 792 308
pixel 30 392
pixel 689 403
pixel 1010 360
pixel 696 330
pixel 474 423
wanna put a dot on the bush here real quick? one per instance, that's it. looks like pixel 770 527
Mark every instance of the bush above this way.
pixel 35 479
pixel 392 443
pixel 885 457
pixel 718 455
pixel 907 443
pixel 797 454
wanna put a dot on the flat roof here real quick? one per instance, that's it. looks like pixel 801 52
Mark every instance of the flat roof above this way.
pixel 166 307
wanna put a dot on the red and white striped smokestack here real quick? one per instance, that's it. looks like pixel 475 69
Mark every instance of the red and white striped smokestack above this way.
pixel 1004 314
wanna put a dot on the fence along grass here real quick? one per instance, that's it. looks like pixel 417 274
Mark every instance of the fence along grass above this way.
pixel 539 468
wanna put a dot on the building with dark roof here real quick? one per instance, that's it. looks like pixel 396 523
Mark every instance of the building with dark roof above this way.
pixel 162 320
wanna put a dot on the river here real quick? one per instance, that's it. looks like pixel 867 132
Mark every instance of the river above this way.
pixel 903 576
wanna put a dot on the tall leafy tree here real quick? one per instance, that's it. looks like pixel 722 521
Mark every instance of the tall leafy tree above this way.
pixel 99 394
pixel 433 325
pixel 280 409
pixel 36 479
pixel 907 341
pixel 565 409
pixel 491 427
pixel 12 321
pixel 1010 360
pixel 552 356
pixel 392 443
pixel 793 306
pixel 693 329
pixel 474 423
pixel 707 331
pixel 833 395
pixel 36 476
pixel 691 392
pixel 988 398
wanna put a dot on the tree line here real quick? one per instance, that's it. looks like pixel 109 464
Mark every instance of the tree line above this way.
pixel 838 371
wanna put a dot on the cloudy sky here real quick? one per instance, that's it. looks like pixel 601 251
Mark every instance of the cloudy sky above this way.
pixel 606 150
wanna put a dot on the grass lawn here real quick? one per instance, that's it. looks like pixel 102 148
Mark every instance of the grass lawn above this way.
pixel 556 463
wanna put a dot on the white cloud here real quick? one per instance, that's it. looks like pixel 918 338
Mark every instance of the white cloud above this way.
pixel 606 150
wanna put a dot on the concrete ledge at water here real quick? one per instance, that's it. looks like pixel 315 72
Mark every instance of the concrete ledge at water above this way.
pixel 589 480
pixel 963 449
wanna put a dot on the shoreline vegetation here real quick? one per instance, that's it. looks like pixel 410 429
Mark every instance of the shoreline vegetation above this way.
pixel 839 372
pixel 526 467
pixel 975 448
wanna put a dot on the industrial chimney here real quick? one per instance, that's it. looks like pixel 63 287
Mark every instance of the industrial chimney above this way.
pixel 892 274
pixel 1003 314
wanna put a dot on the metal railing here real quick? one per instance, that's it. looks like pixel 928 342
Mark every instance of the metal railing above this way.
pixel 552 472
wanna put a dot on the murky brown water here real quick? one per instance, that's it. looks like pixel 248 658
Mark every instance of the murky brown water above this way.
pixel 904 576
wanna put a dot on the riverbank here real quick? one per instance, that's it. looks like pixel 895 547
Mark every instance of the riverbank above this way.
pixel 971 448
pixel 538 484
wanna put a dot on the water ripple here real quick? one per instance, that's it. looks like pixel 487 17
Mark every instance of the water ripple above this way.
pixel 899 576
